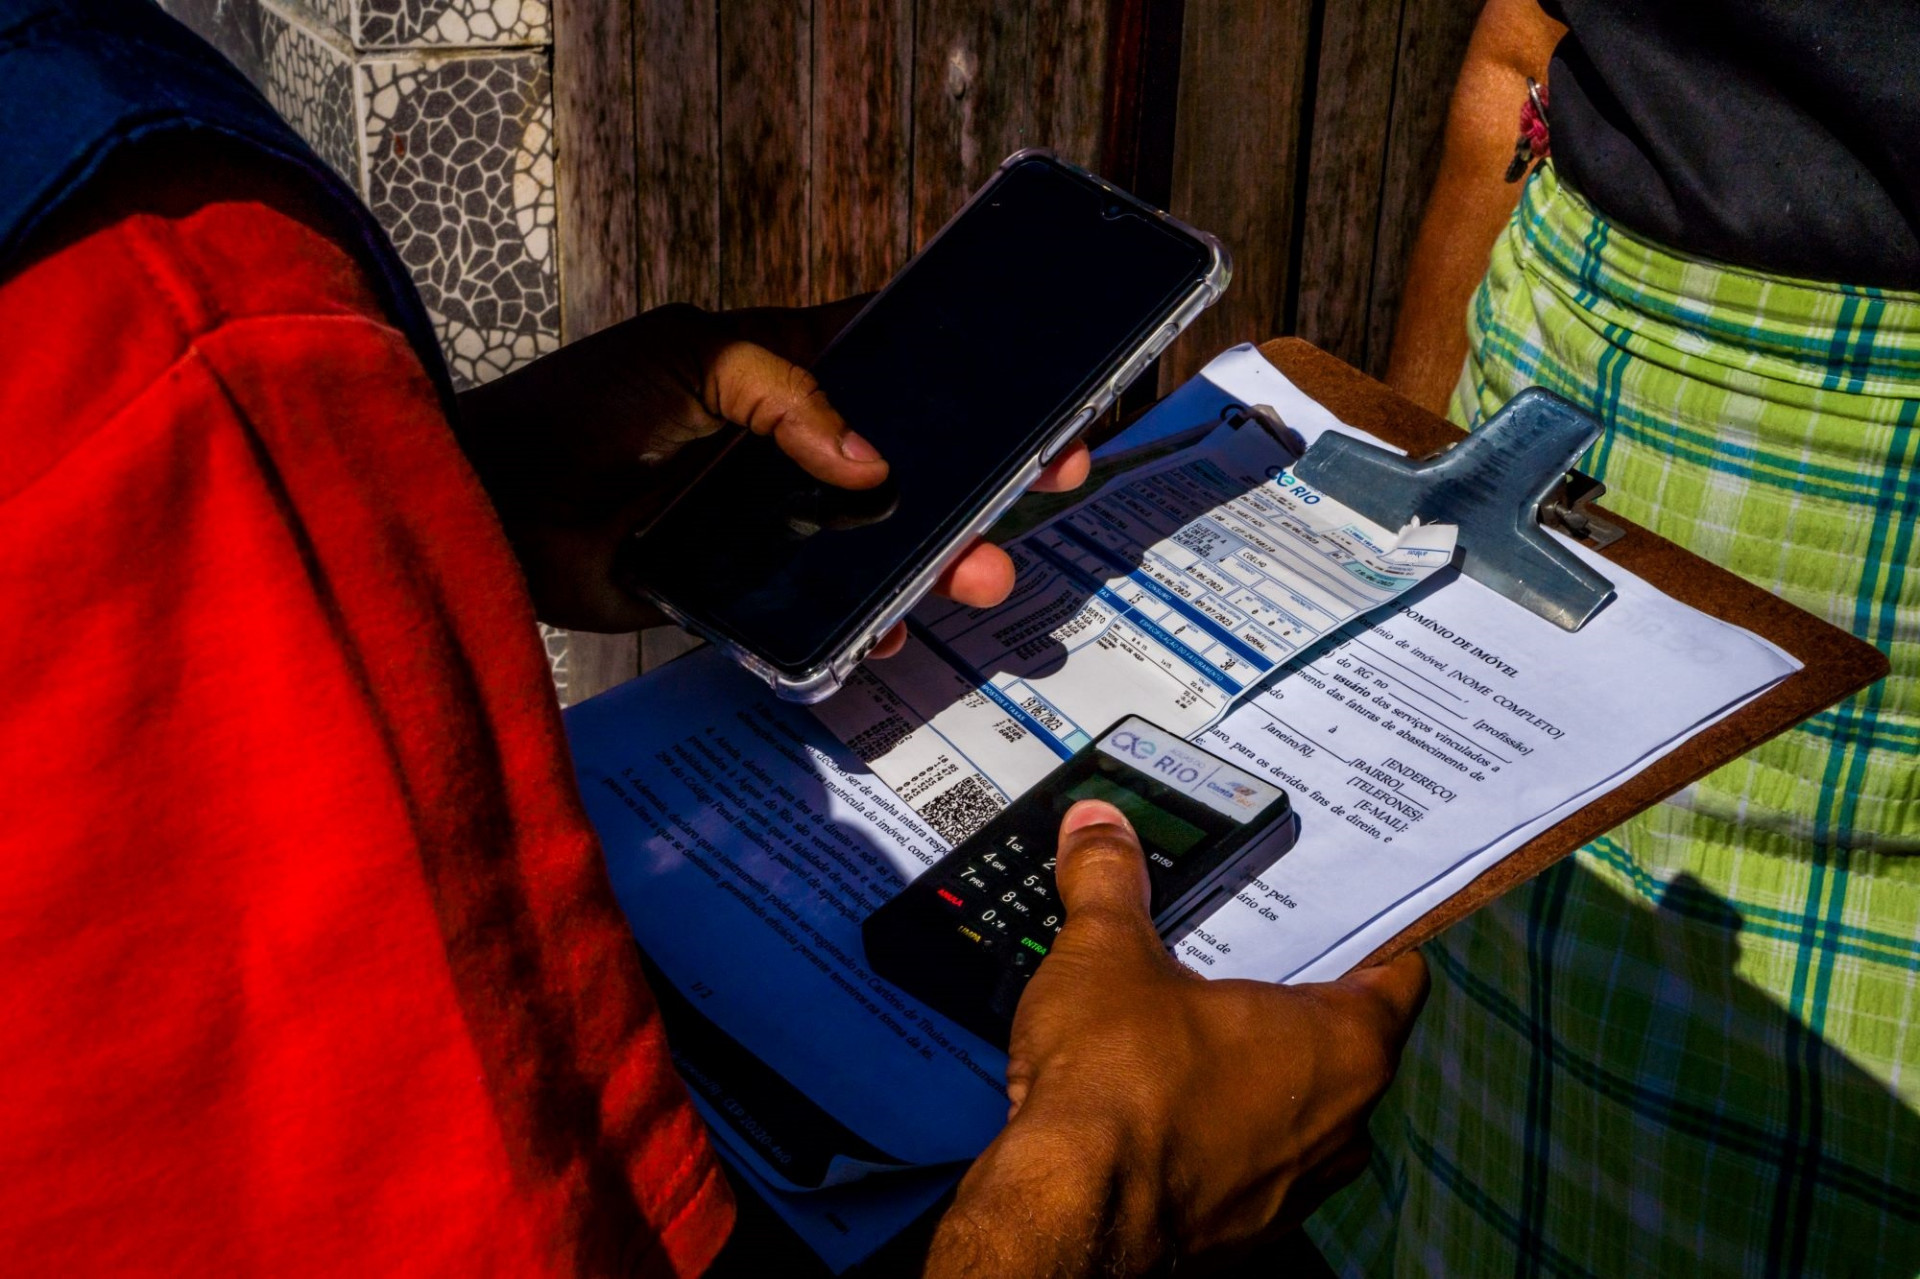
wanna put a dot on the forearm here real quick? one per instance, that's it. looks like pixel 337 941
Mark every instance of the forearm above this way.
pixel 1048 1203
pixel 1471 200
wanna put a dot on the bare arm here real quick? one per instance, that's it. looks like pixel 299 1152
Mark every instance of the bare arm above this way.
pixel 1471 199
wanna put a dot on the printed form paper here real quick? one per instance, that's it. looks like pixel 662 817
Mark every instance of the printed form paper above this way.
pixel 746 843
pixel 1166 595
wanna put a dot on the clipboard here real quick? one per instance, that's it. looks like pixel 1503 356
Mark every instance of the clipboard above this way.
pixel 1835 664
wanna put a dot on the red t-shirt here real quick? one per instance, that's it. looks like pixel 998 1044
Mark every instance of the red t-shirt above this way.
pixel 310 960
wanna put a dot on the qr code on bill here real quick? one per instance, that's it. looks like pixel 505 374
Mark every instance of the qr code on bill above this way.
pixel 962 809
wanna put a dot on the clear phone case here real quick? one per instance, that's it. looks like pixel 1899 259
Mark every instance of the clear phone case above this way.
pixel 821 680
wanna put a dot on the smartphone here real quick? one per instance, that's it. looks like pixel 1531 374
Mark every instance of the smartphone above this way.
pixel 966 935
pixel 1009 332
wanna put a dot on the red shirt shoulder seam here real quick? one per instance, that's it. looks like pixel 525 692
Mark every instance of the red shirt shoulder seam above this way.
pixel 192 353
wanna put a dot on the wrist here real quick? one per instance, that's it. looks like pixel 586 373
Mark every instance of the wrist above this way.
pixel 1053 1196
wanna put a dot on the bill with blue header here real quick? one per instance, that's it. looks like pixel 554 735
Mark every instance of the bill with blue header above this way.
pixel 1168 593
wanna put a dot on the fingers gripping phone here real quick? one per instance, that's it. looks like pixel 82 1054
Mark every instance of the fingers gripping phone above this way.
pixel 1009 332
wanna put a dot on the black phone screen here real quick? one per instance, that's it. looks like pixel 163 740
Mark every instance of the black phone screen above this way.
pixel 956 374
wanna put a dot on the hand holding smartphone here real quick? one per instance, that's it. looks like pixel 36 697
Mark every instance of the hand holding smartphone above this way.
pixel 1010 332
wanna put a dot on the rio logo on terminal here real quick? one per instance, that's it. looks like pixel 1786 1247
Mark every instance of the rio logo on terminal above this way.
pixel 1180 770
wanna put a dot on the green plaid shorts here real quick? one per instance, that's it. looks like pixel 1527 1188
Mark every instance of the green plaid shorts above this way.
pixel 1693 1048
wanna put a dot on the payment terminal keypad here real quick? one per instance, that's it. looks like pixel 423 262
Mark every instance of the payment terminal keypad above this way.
pixel 969 933
pixel 1005 895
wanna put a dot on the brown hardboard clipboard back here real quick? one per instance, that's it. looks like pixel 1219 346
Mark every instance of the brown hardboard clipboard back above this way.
pixel 1835 664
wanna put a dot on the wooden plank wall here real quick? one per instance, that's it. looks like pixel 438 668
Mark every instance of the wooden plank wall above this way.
pixel 762 152
pixel 600 242
pixel 781 152
pixel 1308 137
pixel 794 152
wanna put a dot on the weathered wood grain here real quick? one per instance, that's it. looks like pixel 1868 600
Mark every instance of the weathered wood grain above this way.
pixel 971 105
pixel 1140 99
pixel 1340 215
pixel 1067 70
pixel 1242 81
pixel 597 222
pixel 833 124
pixel 1139 102
pixel 862 190
pixel 1433 43
pixel 594 158
pixel 766 95
pixel 677 126
pixel 663 644
pixel 597 662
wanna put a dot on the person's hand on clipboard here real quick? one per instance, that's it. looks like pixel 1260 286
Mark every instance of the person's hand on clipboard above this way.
pixel 584 446
pixel 1156 1113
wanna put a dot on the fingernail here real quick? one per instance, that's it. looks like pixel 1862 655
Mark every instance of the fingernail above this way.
pixel 1093 812
pixel 855 448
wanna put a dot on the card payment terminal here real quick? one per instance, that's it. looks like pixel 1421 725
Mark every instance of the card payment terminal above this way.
pixel 968 933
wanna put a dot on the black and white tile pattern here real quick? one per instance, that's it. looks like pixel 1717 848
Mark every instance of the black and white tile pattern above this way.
pixel 309 80
pixel 460 172
pixel 459 23
pixel 386 26
pixel 559 646
pixel 334 14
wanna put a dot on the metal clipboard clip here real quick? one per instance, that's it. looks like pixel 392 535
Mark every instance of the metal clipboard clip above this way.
pixel 1498 486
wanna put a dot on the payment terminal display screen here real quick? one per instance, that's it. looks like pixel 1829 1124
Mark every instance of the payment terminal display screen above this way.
pixel 1154 824
pixel 958 375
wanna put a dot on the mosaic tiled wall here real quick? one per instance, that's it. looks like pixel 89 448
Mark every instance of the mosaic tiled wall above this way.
pixel 460 172
pixel 311 82
pixel 440 112
pixel 458 22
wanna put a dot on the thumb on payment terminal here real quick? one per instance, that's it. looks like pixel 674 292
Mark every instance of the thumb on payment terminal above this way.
pixel 1153 1111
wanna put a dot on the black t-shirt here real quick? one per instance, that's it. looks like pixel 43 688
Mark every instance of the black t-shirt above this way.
pixel 1782 135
